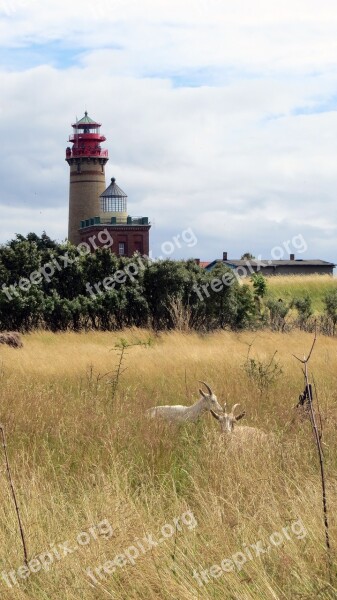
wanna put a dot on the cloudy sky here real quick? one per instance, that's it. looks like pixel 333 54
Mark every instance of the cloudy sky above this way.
pixel 220 116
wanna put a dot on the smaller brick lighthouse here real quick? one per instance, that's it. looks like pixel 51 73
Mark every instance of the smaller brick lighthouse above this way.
pixel 92 208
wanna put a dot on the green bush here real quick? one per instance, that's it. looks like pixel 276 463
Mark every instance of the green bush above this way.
pixel 77 296
pixel 330 303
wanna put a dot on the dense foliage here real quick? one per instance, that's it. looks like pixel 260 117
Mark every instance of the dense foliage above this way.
pixel 56 286
pixel 60 287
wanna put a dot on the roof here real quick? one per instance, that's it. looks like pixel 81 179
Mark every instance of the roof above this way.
pixel 203 264
pixel 283 263
pixel 86 120
pixel 113 191
pixel 263 263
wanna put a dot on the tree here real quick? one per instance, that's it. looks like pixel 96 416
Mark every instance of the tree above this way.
pixel 163 281
pixel 304 308
pixel 247 256
pixel 330 302
pixel 259 285
pixel 246 308
pixel 278 312
pixel 222 304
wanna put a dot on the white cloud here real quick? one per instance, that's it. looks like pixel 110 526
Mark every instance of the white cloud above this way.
pixel 247 157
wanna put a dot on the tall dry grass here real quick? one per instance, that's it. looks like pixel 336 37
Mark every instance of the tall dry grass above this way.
pixel 79 457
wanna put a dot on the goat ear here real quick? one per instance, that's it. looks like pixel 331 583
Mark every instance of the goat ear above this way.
pixel 202 393
pixel 215 415
pixel 240 416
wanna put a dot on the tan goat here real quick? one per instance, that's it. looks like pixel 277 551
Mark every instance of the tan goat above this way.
pixel 243 433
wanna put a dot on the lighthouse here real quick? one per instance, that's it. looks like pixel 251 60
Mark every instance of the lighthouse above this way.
pixel 87 162
pixel 92 206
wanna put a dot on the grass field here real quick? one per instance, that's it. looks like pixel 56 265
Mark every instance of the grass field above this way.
pixel 296 286
pixel 85 458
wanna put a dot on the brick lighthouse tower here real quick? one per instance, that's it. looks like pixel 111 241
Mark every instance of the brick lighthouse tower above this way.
pixel 92 208
pixel 87 173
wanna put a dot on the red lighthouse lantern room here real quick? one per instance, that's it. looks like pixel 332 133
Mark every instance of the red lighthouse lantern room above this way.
pixel 86 139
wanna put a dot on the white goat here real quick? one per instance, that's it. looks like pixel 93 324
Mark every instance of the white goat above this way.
pixel 242 433
pixel 179 413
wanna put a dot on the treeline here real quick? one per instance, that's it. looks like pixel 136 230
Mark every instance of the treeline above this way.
pixel 59 287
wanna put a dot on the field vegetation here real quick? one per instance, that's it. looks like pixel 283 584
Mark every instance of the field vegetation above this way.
pixel 60 287
pixel 297 286
pixel 82 451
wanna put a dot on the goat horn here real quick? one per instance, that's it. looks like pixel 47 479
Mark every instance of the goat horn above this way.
pixel 234 407
pixel 206 386
pixel 215 415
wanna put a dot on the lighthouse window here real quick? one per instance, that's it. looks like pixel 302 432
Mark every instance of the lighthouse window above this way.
pixel 113 204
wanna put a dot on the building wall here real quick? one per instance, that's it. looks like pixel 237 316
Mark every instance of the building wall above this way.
pixel 298 270
pixel 294 270
pixel 135 237
pixel 87 182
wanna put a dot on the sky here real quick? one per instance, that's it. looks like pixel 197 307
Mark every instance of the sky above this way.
pixel 220 118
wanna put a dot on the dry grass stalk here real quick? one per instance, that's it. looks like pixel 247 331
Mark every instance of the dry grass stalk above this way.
pixel 17 510
pixel 90 461
pixel 305 362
